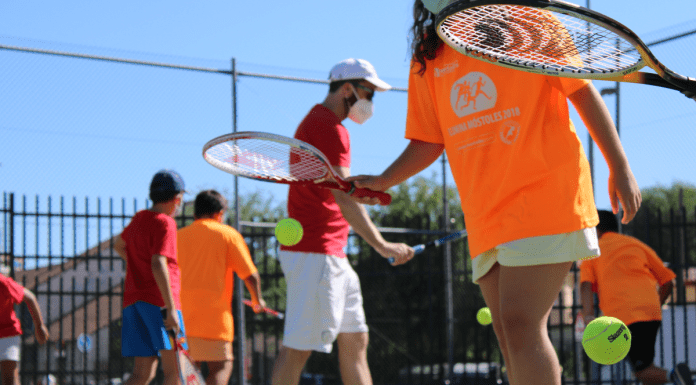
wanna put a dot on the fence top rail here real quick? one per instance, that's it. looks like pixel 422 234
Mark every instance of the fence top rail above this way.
pixel 172 66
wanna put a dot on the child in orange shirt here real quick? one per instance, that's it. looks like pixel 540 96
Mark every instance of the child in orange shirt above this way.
pixel 625 277
pixel 523 180
pixel 210 253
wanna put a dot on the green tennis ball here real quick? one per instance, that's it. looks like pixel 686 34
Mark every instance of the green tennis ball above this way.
pixel 606 340
pixel 484 316
pixel 288 232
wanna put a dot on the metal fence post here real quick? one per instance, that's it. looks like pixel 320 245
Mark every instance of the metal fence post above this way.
pixel 238 284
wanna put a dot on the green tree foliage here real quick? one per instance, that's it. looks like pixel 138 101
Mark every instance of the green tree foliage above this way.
pixel 664 199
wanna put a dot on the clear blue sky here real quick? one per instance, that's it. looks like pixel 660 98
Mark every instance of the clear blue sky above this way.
pixel 87 129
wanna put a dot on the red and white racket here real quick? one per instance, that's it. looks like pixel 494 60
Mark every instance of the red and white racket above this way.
pixel 279 159
pixel 188 372
pixel 266 310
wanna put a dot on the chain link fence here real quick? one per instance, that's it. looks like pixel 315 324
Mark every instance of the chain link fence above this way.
pixel 80 122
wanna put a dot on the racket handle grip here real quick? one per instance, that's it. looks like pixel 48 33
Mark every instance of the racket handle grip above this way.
pixel 417 249
pixel 384 198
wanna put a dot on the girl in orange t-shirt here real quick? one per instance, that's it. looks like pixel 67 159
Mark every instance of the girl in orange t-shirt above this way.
pixel 522 177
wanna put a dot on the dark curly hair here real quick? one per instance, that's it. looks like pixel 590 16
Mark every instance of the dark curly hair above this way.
pixel 424 40
pixel 607 222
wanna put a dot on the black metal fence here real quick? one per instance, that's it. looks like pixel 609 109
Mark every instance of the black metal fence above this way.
pixel 60 249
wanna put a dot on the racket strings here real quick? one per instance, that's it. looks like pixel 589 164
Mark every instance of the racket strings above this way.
pixel 266 159
pixel 535 37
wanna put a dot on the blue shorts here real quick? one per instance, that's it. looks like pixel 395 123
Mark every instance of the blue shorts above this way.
pixel 143 333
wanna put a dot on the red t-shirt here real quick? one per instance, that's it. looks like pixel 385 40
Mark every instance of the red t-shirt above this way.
pixel 150 233
pixel 11 293
pixel 325 229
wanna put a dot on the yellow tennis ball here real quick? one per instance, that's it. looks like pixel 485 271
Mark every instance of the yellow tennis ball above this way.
pixel 288 232
pixel 606 340
pixel 484 316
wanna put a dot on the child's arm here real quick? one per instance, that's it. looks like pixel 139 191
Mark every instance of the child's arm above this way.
pixel 119 246
pixel 40 329
pixel 665 291
pixel 622 184
pixel 253 284
pixel 161 274
pixel 416 157
pixel 587 301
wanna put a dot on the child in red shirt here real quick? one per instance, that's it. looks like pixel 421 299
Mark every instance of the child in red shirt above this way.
pixel 12 293
pixel 151 305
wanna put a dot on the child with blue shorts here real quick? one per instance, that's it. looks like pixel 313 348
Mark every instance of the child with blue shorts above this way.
pixel 151 304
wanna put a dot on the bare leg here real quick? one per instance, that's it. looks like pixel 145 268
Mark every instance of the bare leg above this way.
pixel 288 366
pixel 652 375
pixel 526 296
pixel 144 369
pixel 10 372
pixel 169 367
pixel 490 290
pixel 352 358
pixel 219 372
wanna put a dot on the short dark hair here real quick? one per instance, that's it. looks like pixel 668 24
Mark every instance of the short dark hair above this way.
pixel 607 222
pixel 207 203
pixel 163 196
pixel 166 185
pixel 334 86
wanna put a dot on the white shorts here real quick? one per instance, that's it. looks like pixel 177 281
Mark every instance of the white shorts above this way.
pixel 324 299
pixel 542 250
pixel 9 348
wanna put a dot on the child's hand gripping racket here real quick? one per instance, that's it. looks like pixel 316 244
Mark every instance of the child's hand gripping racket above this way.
pixel 279 159
pixel 450 237
pixel 266 310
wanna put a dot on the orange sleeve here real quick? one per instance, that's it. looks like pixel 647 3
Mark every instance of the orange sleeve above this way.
pixel 422 122
pixel 567 86
pixel 587 273
pixel 239 257
pixel 657 267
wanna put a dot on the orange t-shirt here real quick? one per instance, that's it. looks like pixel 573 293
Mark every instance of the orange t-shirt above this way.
pixel 209 254
pixel 626 277
pixel 517 161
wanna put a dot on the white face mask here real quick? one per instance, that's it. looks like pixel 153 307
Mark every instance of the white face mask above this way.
pixel 361 110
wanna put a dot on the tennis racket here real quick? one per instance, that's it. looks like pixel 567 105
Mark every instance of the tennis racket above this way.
pixel 450 237
pixel 556 38
pixel 266 310
pixel 188 372
pixel 279 159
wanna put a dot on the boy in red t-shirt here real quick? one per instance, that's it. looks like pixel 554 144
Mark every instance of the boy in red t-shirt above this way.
pixel 324 299
pixel 12 293
pixel 151 305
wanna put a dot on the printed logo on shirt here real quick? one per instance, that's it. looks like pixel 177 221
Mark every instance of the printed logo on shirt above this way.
pixel 447 68
pixel 472 93
pixel 509 131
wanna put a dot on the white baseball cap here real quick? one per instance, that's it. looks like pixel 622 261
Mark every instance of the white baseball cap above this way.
pixel 357 69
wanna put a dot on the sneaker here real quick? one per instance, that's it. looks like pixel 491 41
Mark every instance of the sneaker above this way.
pixel 681 375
